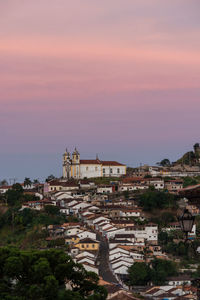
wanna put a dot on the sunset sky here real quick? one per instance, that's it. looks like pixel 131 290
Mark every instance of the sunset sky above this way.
pixel 120 78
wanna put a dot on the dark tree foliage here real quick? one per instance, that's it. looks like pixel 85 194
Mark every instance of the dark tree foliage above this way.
pixel 141 274
pixel 182 249
pixel 3 182
pixel 27 218
pixel 52 210
pixel 43 274
pixel 187 181
pixel 152 199
pixel 27 182
pixel 167 218
pixel 50 177
pixel 161 269
pixel 126 194
pixel 164 238
pixel 165 162
pixel 13 196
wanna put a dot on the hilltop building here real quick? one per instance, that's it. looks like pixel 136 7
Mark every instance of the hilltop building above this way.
pixel 74 167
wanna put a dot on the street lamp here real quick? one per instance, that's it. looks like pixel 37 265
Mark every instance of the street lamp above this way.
pixel 196 284
pixel 186 222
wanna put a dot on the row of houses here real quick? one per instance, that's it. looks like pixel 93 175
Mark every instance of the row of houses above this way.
pixel 83 244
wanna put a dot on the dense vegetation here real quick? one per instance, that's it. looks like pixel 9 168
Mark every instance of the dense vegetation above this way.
pixel 153 199
pixel 174 244
pixel 156 272
pixel 187 181
pixel 187 159
pixel 43 275
pixel 25 227
pixel 16 196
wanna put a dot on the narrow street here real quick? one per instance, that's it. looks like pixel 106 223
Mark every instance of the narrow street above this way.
pixel 104 270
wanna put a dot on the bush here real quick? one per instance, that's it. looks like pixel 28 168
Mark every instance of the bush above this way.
pixel 152 199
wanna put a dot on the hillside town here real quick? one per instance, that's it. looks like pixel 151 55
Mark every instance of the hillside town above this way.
pixel 118 224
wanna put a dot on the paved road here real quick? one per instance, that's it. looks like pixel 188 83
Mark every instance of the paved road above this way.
pixel 104 270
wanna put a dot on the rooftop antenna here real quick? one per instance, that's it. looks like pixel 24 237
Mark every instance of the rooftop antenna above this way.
pixel 12 180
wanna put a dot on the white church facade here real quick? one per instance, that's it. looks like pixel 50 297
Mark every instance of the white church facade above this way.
pixel 74 167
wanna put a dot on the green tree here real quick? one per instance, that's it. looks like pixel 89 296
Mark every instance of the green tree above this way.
pixel 3 182
pixel 156 199
pixel 27 182
pixel 43 274
pixel 187 181
pixel 167 218
pixel 163 238
pixel 14 194
pixel 50 177
pixel 164 163
pixel 52 210
pixel 36 181
pixel 126 194
pixel 161 269
pixel 139 274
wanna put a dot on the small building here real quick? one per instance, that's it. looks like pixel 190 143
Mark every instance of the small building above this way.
pixel 88 244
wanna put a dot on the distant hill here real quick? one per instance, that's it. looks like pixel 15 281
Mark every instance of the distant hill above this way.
pixel 191 157
pixel 188 158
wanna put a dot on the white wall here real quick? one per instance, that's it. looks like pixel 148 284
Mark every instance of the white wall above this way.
pixel 90 171
pixel 87 234
pixel 92 269
pixel 105 189
pixel 113 171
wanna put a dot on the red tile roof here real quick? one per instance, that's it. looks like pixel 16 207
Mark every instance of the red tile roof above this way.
pixel 90 162
pixel 99 162
pixel 111 163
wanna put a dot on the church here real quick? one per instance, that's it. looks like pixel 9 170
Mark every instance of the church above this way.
pixel 74 167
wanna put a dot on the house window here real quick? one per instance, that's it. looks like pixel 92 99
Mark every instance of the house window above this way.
pixel 82 246
pixel 93 245
pixel 86 168
pixel 118 170
pixel 111 170
pixel 104 171
pixel 87 246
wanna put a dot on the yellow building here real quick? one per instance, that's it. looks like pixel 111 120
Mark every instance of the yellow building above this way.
pixel 87 244
pixel 72 239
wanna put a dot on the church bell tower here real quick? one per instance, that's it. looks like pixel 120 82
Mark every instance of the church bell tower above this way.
pixel 66 165
pixel 75 164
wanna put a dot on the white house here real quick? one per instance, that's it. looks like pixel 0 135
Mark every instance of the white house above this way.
pixel 104 189
pixel 129 213
pixel 85 253
pixel 79 206
pixel 72 231
pixel 115 243
pixel 90 268
pixel 179 280
pixel 121 262
pixel 88 260
pixel 121 270
pixel 87 234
